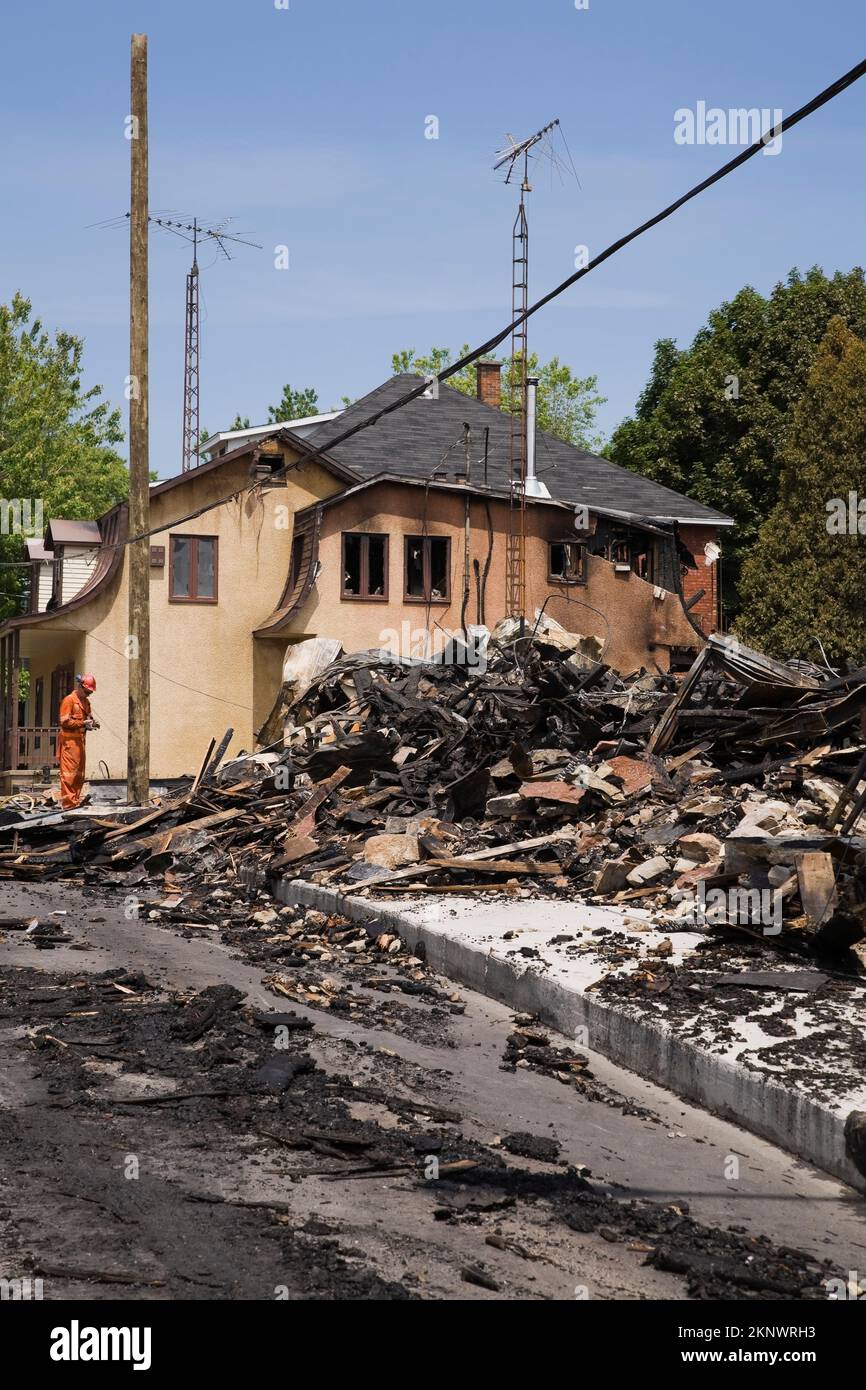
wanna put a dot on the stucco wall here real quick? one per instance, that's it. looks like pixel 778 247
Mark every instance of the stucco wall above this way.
pixel 621 609
pixel 203 674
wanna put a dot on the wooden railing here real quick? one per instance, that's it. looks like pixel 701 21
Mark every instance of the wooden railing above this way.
pixel 36 747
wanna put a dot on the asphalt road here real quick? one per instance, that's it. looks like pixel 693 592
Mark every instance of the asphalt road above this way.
pixel 219 1208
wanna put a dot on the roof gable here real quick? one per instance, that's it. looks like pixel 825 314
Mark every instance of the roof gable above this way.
pixel 302 447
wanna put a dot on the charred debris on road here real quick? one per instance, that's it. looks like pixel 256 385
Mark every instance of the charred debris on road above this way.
pixel 243 1119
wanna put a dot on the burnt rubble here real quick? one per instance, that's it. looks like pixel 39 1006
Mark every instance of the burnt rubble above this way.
pixel 531 770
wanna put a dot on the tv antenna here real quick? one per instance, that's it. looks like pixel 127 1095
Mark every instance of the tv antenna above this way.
pixel 189 229
pixel 514 157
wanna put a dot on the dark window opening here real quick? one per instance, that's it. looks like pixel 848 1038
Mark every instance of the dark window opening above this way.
pixel 193 569
pixel 428 569
pixel 567 562
pixel 265 467
pixel 365 566
pixel 297 560
pixel 629 549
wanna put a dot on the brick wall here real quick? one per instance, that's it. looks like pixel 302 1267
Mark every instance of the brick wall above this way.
pixel 705 612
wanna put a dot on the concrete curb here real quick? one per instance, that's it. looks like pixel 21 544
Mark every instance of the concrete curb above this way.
pixel 794 1122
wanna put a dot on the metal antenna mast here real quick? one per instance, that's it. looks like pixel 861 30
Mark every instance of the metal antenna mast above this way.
pixel 194 232
pixel 515 554
pixel 191 363
pixel 191 230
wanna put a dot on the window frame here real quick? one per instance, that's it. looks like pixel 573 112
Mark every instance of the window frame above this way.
pixel 426 599
pixel 364 577
pixel 192 596
pixel 581 547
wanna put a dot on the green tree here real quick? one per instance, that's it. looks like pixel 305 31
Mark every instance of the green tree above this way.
pixel 713 418
pixel 295 405
pixel 240 423
pixel 566 404
pixel 805 578
pixel 57 440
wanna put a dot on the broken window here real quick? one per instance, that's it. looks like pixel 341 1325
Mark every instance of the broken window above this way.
pixel 264 469
pixel 193 569
pixel 567 562
pixel 630 549
pixel 365 565
pixel 428 568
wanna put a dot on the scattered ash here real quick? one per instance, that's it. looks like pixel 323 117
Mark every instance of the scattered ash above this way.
pixel 208 1069
pixel 529 1047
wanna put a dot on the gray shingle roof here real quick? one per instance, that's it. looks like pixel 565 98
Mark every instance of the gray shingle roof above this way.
pixel 428 434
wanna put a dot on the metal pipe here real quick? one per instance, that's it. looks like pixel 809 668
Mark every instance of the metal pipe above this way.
pixel 532 486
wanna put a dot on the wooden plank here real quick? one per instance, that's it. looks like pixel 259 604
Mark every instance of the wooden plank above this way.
pixel 298 848
pixel 666 727
pixel 682 758
pixel 491 866
pixel 416 870
pixel 205 760
pixel 214 762
pixel 132 827
pixel 305 819
pixel 817 878
pixel 157 842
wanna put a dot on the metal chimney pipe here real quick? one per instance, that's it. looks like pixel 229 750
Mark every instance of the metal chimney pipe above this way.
pixel 531 411
pixel 533 488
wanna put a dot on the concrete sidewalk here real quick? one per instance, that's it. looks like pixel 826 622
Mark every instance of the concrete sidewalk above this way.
pixel 793 1081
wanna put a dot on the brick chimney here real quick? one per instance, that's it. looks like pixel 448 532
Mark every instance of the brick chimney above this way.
pixel 489 389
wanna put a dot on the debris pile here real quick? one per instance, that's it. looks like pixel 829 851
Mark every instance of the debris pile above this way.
pixel 727 799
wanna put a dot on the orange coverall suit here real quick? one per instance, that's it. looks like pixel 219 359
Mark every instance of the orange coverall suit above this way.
pixel 74 712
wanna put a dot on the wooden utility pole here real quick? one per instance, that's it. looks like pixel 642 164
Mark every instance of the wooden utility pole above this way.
pixel 138 738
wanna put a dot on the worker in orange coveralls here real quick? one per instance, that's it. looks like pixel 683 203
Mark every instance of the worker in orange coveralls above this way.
pixel 75 721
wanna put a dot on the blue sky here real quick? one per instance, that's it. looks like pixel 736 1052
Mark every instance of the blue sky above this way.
pixel 307 126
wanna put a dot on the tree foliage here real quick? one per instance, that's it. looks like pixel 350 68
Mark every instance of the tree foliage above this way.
pixel 713 419
pixel 294 405
pixel 566 404
pixel 57 440
pixel 805 578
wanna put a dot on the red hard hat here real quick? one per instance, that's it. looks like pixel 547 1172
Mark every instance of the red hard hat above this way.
pixel 89 682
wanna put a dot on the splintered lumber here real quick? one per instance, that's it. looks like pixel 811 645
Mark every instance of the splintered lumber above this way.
pixel 162 839
pixel 477 864
pixel 847 793
pixel 200 774
pixel 132 827
pixel 306 817
pixel 213 763
pixel 298 848
pixel 664 730
pixel 470 861
pixel 816 876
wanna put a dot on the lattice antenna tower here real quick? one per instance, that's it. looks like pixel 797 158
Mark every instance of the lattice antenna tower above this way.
pixel 515 159
pixel 192 230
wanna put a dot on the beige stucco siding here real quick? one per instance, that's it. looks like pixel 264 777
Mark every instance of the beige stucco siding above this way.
pixel 204 675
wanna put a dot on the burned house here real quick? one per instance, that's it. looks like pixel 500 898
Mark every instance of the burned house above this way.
pixel 397 537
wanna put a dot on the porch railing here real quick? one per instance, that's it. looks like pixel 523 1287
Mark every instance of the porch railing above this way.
pixel 36 747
